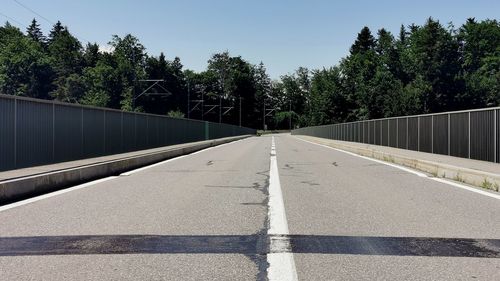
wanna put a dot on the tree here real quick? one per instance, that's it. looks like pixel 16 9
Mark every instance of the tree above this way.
pixel 35 33
pixel 25 69
pixel 91 55
pixel 101 80
pixel 359 69
pixel 235 80
pixel 128 61
pixel 57 29
pixel 328 101
pixel 65 52
pixel 436 59
pixel 364 42
pixel 480 52
pixel 262 90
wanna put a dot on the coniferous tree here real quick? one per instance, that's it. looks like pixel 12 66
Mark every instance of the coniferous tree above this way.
pixel 57 29
pixel 35 33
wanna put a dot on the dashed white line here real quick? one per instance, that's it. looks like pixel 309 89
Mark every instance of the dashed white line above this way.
pixel 52 194
pixel 281 264
pixel 441 180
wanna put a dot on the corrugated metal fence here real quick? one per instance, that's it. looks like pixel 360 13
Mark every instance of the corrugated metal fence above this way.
pixel 473 134
pixel 36 132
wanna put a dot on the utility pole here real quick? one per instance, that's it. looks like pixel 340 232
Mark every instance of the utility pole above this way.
pixel 290 113
pixel 240 111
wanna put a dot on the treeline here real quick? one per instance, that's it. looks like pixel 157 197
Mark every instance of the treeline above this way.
pixel 428 68
pixel 57 66
pixel 425 69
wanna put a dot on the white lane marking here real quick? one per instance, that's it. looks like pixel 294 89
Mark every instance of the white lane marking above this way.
pixel 62 191
pixel 55 193
pixel 281 265
pixel 175 158
pixel 441 180
pixel 152 166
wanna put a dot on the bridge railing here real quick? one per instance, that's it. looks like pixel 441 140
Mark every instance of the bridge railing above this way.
pixel 37 132
pixel 473 134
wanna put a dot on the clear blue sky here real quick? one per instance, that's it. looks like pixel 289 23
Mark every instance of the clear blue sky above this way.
pixel 282 34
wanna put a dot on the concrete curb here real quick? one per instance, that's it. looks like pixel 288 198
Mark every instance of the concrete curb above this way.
pixel 25 187
pixel 473 177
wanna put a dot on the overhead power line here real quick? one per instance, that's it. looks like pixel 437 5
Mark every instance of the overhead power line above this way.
pixel 31 10
pixel 46 19
pixel 12 19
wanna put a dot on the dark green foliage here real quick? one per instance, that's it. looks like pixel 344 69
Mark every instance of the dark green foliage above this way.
pixel 25 67
pixel 35 33
pixel 424 69
pixel 427 69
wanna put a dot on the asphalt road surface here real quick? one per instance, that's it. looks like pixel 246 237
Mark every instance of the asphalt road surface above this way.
pixel 212 215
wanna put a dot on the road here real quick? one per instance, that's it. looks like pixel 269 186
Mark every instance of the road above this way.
pixel 225 214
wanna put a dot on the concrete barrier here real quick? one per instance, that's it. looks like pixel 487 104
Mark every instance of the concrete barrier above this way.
pixel 29 186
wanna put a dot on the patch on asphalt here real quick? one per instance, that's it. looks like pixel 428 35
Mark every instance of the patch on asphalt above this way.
pixel 248 245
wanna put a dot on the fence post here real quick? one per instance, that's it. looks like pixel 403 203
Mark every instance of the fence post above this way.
pixel 122 148
pixel 388 133
pixel 495 138
pixel 418 133
pixel 53 132
pixel 397 133
pixel 207 135
pixel 15 132
pixel 83 138
pixel 449 132
pixel 432 133
pixel 469 134
pixel 363 131
pixel 381 133
pixel 104 135
pixel 407 133
pixel 359 131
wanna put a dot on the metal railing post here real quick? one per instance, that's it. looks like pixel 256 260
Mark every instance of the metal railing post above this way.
pixel 122 145
pixel 53 132
pixel 83 139
pixel 407 132
pixel 104 135
pixel 469 135
pixel 15 133
pixel 388 133
pixel 135 130
pixel 449 134
pixel 363 131
pixel 495 138
pixel 381 133
pixel 418 133
pixel 432 133
pixel 397 133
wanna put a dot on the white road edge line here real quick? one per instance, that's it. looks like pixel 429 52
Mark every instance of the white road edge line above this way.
pixel 52 194
pixel 62 191
pixel 441 180
pixel 281 264
pixel 175 158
